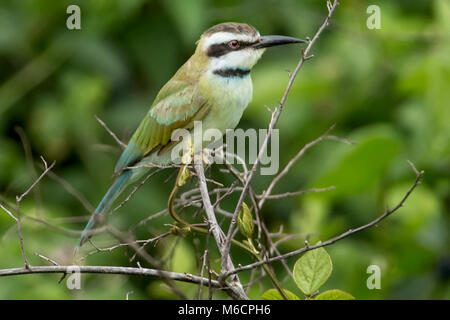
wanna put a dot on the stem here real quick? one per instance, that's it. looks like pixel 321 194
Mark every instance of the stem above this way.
pixel 184 223
pixel 201 230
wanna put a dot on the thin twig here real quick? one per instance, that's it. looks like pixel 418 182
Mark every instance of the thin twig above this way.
pixel 30 164
pixel 53 262
pixel 136 188
pixel 119 142
pixel 18 201
pixel 291 162
pixel 297 193
pixel 47 169
pixel 8 212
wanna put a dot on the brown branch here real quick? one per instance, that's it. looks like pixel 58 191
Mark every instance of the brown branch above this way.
pixel 47 169
pixel 183 277
pixel 18 201
pixel 286 169
pixel 119 142
pixel 215 229
pixel 121 245
pixel 136 188
pixel 8 212
pixel 49 260
pixel 343 235
pixel 296 193
pixel 275 116
pixel 29 160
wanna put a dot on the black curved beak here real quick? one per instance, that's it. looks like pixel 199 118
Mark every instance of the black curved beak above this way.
pixel 270 41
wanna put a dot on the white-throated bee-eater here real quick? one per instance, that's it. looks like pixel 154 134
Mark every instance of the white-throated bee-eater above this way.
pixel 213 86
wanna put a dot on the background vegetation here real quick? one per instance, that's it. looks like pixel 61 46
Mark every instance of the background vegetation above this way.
pixel 388 90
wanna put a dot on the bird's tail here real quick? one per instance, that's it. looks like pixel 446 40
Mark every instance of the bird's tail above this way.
pixel 113 192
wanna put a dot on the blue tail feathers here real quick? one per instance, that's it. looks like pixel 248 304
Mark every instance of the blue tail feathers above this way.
pixel 113 192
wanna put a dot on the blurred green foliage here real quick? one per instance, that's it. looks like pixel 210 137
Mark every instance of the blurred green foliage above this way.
pixel 388 90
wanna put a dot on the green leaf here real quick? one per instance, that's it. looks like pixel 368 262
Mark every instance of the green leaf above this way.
pixel 185 175
pixel 245 221
pixel 334 294
pixel 273 294
pixel 312 270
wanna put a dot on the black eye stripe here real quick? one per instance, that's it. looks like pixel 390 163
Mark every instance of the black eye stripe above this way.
pixel 217 50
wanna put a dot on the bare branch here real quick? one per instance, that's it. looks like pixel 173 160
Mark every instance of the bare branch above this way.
pixel 8 212
pixel 30 164
pixel 53 262
pixel 286 169
pixel 136 188
pixel 275 116
pixel 46 170
pixel 19 199
pixel 184 277
pixel 215 229
pixel 296 193
pixel 119 142
pixel 343 235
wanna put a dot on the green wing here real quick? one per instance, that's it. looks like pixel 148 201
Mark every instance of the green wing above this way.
pixel 177 105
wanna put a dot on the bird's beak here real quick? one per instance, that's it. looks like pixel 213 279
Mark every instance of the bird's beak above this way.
pixel 270 41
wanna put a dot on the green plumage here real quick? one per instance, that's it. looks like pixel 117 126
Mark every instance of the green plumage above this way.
pixel 178 104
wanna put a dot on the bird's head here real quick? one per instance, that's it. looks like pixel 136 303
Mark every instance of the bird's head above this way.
pixel 236 46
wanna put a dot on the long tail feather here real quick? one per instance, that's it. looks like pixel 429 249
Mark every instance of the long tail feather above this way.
pixel 113 192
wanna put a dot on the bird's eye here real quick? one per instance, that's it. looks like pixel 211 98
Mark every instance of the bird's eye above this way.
pixel 233 44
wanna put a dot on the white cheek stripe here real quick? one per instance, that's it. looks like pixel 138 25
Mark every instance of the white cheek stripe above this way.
pixel 223 37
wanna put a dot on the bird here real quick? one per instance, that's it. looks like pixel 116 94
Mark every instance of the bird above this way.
pixel 213 86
